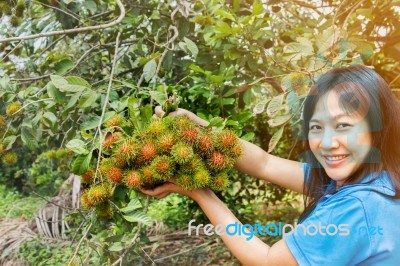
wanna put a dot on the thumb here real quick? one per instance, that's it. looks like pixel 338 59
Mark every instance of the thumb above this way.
pixel 159 112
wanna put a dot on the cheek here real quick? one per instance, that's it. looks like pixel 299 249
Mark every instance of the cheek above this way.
pixel 314 143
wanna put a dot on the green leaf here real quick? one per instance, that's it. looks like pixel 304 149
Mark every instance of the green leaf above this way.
pixel 275 139
pixel 132 205
pixel 58 81
pixel 196 68
pixel 257 8
pixel 55 93
pixel 149 70
pixel 260 107
pixel 158 96
pixel 87 99
pixel 77 146
pixel 326 39
pixel 49 119
pixel 117 246
pixel 74 80
pixel 138 217
pixel 90 123
pixel 63 66
pixel 81 164
pixel 146 113
pixel 228 101
pixel 223 27
pixel 9 141
pixel 72 101
pixel 249 136
pixel 275 105
pixel 279 120
pixel 191 46
pixel 216 122
pixel 28 138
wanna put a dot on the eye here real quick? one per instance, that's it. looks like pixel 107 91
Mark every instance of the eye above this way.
pixel 315 127
pixel 343 125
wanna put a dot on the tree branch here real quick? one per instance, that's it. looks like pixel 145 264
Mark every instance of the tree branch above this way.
pixel 83 29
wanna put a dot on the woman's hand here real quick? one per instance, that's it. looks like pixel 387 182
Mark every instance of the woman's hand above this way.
pixel 171 187
pixel 159 112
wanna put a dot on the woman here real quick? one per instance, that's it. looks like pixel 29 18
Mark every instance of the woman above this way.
pixel 351 180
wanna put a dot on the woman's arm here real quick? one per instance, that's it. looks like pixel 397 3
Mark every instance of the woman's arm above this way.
pixel 258 163
pixel 248 252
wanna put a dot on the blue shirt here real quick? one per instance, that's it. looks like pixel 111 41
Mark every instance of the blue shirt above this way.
pixel 357 225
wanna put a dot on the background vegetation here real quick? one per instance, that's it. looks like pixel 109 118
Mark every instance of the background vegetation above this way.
pixel 69 65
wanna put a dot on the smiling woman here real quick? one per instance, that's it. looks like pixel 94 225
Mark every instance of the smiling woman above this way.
pixel 351 178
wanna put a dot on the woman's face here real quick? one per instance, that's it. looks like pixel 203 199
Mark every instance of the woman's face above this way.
pixel 340 141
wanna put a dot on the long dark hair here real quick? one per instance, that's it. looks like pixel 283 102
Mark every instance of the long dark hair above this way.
pixel 362 90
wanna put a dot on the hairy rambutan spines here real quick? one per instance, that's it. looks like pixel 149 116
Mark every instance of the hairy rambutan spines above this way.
pixel 184 180
pixel 111 140
pixel 9 158
pixel 115 175
pixel 219 182
pixel 163 168
pixel 182 152
pixel 194 164
pixel 217 160
pixel 133 179
pixel 226 139
pixel 236 152
pixel 156 127
pixel 88 176
pixel 166 142
pixel 147 173
pixel 201 178
pixel 190 135
pixel 13 108
pixel 104 211
pixel 115 121
pixel 99 193
pixel 128 149
pixel 148 151
pixel 205 143
pixel 86 203
pixel 182 122
pixel 105 165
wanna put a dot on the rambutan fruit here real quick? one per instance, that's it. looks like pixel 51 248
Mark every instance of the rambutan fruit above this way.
pixel 99 193
pixel 166 142
pixel 219 182
pixel 115 174
pixel 156 127
pixel 86 203
pixel 205 144
pixel 105 165
pixel 133 179
pixel 184 180
pixel 88 176
pixel 182 122
pixel 9 158
pixel 128 149
pixel 190 134
pixel 115 121
pixel 217 160
pixel 104 211
pixel 236 151
pixel 51 154
pixel 182 152
pixel 120 160
pixel 226 139
pixel 15 21
pixel 163 168
pixel 168 121
pixel 194 164
pixel 110 140
pixel 5 8
pixel 13 108
pixel 201 178
pixel 147 174
pixel 2 121
pixel 148 151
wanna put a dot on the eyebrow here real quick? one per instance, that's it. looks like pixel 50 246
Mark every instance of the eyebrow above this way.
pixel 336 117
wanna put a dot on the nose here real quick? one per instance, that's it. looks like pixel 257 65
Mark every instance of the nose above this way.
pixel 329 140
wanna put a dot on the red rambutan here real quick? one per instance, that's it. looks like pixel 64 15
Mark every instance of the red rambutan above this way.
pixel 205 144
pixel 115 175
pixel 190 134
pixel 219 182
pixel 88 176
pixel 86 203
pixel 182 152
pixel 99 193
pixel 133 179
pixel 115 121
pixel 226 139
pixel 184 181
pixel 166 142
pixel 108 143
pixel 163 168
pixel 217 160
pixel 148 151
pixel 156 127
pixel 194 164
pixel 128 149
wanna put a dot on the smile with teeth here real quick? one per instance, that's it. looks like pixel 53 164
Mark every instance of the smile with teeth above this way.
pixel 335 158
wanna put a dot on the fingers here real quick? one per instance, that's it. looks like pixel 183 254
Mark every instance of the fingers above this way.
pixel 159 112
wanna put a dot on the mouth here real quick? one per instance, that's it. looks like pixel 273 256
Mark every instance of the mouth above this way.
pixel 335 160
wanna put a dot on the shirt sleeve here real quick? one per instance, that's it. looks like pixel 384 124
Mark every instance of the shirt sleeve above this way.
pixel 330 235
